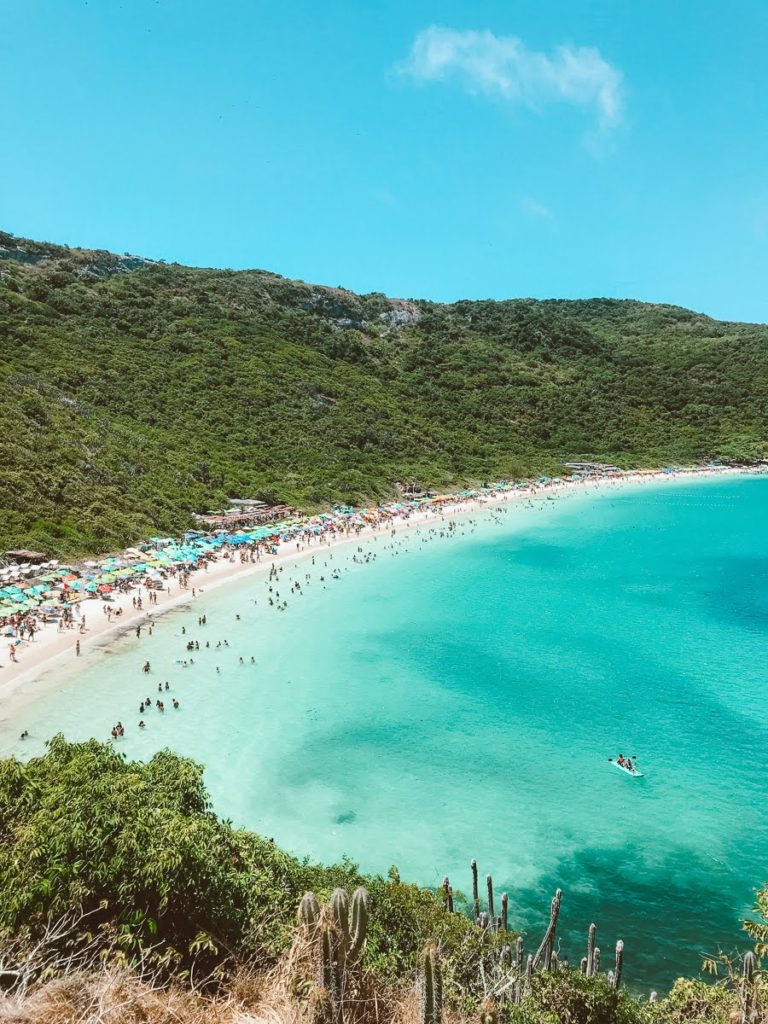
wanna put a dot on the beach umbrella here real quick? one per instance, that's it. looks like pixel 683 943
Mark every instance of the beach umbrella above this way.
pixel 91 586
pixel 105 588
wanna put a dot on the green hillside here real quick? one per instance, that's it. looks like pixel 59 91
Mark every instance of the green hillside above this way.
pixel 135 393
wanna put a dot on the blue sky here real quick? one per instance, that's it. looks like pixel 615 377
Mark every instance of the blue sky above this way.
pixel 441 150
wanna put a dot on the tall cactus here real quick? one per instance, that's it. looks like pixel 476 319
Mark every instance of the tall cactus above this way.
pixel 519 970
pixel 450 899
pixel 309 910
pixel 591 950
pixel 358 931
pixel 337 947
pixel 548 942
pixel 489 884
pixel 431 1011
pixel 619 963
pixel 748 1014
pixel 504 912
pixel 340 917
pixel 446 888
pixel 528 974
pixel 329 975
pixel 596 962
pixel 475 892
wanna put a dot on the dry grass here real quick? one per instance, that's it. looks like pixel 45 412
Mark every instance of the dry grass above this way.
pixel 285 994
pixel 111 997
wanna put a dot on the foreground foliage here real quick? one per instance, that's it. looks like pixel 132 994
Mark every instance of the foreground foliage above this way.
pixel 136 849
pixel 136 393
pixel 122 894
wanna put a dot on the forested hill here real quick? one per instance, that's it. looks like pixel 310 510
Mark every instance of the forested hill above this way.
pixel 136 392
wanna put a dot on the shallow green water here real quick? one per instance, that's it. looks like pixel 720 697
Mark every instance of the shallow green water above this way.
pixel 459 697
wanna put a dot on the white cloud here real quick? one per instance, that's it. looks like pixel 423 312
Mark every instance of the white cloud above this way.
pixel 503 66
pixel 536 209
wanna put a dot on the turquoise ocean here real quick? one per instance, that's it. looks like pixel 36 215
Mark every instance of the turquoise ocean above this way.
pixel 458 696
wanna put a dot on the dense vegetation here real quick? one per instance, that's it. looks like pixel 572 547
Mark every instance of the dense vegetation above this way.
pixel 135 393
pixel 136 849
pixel 105 861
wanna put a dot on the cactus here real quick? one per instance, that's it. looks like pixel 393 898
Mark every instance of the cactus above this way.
pixel 321 1006
pixel 339 906
pixel 309 910
pixel 584 963
pixel 553 961
pixel 483 920
pixel 361 907
pixel 591 950
pixel 653 997
pixel 431 988
pixel 518 990
pixel 748 989
pixel 504 912
pixel 475 893
pixel 338 949
pixel 619 963
pixel 528 974
pixel 548 942
pixel 340 912
pixel 327 1008
pixel 446 889
pixel 325 961
pixel 450 899
pixel 489 883
pixel 596 962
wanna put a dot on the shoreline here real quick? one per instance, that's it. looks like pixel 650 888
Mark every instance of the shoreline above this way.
pixel 50 647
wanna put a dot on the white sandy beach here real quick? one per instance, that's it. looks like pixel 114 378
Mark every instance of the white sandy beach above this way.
pixel 51 648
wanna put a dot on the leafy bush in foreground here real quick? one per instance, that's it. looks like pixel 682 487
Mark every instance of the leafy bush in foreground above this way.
pixel 136 848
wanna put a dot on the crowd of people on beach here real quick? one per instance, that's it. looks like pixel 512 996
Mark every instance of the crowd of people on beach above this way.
pixel 166 566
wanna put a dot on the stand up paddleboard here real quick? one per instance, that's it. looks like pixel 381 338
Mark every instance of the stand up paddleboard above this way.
pixel 633 772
